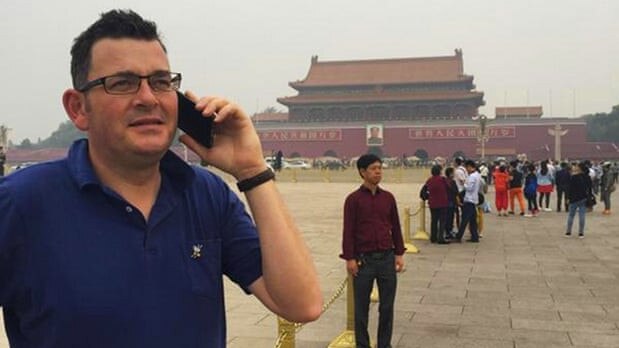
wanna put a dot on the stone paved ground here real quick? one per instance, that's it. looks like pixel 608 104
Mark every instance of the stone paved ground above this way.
pixel 523 286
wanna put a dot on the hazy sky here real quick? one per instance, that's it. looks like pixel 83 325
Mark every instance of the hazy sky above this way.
pixel 561 54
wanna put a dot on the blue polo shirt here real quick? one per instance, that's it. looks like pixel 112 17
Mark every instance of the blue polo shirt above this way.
pixel 81 267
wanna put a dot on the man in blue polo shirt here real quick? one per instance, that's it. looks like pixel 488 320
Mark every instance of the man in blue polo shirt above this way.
pixel 122 244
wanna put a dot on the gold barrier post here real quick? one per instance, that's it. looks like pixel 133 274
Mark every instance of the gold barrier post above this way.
pixel 410 247
pixel 294 174
pixel 480 221
pixel 374 294
pixel 398 177
pixel 286 331
pixel 347 338
pixel 421 233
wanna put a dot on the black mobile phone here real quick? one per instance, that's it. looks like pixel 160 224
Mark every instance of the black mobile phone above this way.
pixel 193 123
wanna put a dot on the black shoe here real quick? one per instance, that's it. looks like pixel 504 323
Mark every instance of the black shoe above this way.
pixel 511 213
pixel 473 240
pixel 444 242
pixel 456 240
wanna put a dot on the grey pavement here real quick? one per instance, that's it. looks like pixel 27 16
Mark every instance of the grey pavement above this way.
pixel 522 286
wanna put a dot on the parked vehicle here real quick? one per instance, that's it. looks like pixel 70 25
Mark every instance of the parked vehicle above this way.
pixel 296 164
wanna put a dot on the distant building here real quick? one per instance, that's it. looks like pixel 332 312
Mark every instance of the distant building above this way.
pixel 426 103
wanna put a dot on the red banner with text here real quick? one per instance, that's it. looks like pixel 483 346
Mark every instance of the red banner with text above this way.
pixel 301 135
pixel 459 132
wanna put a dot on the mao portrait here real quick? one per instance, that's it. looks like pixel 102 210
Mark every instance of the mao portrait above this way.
pixel 374 134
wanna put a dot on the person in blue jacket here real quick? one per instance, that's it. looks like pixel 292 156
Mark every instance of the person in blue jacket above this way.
pixel 530 191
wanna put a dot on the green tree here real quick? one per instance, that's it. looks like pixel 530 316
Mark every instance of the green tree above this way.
pixel 25 144
pixel 64 136
pixel 422 154
pixel 603 126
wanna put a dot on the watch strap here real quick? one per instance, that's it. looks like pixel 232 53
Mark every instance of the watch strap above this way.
pixel 257 180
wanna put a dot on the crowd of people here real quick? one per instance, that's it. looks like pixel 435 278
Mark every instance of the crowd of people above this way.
pixel 457 199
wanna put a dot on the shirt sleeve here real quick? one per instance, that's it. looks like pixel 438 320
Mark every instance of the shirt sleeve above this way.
pixel 242 261
pixel 469 184
pixel 348 236
pixel 396 231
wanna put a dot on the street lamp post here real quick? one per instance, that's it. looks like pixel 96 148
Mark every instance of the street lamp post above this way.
pixel 482 135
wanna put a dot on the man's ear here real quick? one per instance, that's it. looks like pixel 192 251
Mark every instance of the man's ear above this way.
pixel 74 104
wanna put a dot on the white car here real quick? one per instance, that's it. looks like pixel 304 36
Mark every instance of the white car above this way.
pixel 296 164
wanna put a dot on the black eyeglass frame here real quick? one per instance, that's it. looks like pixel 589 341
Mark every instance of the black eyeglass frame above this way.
pixel 175 82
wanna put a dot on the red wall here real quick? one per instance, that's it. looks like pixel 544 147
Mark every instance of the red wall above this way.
pixel 444 139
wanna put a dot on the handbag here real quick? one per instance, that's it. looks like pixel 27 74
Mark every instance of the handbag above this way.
pixel 424 193
pixel 591 201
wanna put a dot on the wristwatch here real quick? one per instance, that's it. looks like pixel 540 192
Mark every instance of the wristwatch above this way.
pixel 257 180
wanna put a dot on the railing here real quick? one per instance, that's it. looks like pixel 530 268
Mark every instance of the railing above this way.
pixel 287 330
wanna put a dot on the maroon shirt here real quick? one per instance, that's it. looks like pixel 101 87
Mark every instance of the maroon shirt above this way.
pixel 437 186
pixel 371 223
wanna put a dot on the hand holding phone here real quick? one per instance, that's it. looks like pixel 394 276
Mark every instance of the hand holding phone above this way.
pixel 193 123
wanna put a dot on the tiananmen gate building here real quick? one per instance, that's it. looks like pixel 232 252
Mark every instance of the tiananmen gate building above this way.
pixel 396 107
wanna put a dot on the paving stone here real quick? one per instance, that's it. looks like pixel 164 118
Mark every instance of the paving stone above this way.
pixel 517 335
pixel 564 326
pixel 595 339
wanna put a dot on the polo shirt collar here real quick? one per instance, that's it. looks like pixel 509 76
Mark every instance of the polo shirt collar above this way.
pixel 180 173
pixel 365 189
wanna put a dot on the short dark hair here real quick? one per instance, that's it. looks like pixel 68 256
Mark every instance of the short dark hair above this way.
pixel 365 160
pixel 114 24
pixel 449 171
pixel 436 170
pixel 470 163
pixel 459 160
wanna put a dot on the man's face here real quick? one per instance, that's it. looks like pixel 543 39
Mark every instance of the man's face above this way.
pixel 470 169
pixel 373 174
pixel 374 132
pixel 139 125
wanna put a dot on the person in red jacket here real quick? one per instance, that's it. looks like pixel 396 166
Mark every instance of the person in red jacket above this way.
pixel 501 186
pixel 438 202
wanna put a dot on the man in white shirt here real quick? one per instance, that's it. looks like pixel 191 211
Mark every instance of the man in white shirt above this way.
pixel 460 173
pixel 472 186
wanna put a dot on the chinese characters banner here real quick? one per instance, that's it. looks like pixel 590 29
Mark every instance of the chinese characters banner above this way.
pixel 301 135
pixel 460 132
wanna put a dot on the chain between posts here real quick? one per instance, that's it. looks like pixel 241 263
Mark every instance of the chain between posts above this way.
pixel 416 211
pixel 298 326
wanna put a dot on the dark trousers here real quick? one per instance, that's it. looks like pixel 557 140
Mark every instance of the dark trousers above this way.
pixel 532 203
pixel 449 224
pixel 562 196
pixel 469 217
pixel 541 199
pixel 379 266
pixel 438 222
pixel 605 197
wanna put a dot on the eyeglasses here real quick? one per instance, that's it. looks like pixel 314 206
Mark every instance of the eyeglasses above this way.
pixel 127 83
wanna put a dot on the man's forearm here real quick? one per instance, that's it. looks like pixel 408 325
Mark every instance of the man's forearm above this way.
pixel 288 269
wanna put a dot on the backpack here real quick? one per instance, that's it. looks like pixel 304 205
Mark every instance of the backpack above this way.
pixel 484 185
pixel 424 193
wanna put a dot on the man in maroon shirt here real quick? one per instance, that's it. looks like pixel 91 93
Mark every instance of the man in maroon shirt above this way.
pixel 373 248
pixel 438 201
